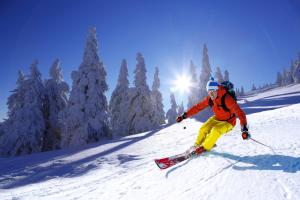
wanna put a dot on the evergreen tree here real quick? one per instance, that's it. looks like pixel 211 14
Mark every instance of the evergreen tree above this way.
pixel 289 77
pixel 141 109
pixel 226 75
pixel 205 73
pixel 157 101
pixel 296 75
pixel 181 109
pixel 119 103
pixel 57 100
pixel 86 119
pixel 172 112
pixel 193 96
pixel 26 123
pixel 15 103
pixel 237 92
pixel 279 80
pixel 292 69
pixel 4 139
pixel 242 91
pixel 284 78
pixel 219 75
pixel 296 70
pixel 16 99
pixel 253 87
pixel 204 77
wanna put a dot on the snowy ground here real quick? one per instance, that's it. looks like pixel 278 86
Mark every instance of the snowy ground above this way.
pixel 271 99
pixel 124 169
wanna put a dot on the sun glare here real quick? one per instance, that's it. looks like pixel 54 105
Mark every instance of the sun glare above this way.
pixel 182 84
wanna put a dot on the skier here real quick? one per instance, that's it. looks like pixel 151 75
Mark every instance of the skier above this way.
pixel 225 109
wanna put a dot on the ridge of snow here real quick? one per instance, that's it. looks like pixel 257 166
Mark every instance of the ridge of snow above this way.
pixel 286 90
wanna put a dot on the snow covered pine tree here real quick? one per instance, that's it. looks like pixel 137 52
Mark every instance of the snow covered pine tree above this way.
pixel 86 120
pixel 56 94
pixel 141 109
pixel 172 112
pixel 26 122
pixel 119 103
pixel 157 101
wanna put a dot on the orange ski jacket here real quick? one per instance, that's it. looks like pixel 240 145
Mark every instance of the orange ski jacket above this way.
pixel 218 110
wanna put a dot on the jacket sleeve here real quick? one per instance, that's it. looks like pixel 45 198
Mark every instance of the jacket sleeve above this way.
pixel 233 106
pixel 198 107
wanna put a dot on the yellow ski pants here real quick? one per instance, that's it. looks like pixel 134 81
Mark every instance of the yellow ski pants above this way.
pixel 210 132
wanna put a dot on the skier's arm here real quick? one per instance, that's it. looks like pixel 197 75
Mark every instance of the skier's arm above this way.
pixel 233 106
pixel 198 107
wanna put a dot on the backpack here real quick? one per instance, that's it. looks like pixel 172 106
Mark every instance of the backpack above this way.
pixel 229 91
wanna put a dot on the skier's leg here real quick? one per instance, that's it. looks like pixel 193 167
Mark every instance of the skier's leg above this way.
pixel 204 130
pixel 219 129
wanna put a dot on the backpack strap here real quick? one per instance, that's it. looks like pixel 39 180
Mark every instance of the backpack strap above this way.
pixel 210 102
pixel 223 104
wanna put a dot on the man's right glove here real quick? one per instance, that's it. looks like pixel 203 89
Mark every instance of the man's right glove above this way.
pixel 245 134
pixel 182 117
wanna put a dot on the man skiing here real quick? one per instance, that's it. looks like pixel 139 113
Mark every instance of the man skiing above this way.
pixel 225 109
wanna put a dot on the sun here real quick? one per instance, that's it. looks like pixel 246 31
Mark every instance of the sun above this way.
pixel 182 84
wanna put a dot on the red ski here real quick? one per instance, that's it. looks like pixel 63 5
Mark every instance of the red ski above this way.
pixel 167 162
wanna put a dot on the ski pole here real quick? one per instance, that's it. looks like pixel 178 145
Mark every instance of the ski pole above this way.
pixel 262 144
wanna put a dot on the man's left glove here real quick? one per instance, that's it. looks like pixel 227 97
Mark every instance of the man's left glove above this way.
pixel 182 117
pixel 245 133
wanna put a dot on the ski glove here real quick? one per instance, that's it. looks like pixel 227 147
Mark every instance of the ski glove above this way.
pixel 182 117
pixel 245 134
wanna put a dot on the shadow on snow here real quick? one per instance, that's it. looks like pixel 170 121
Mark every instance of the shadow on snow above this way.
pixel 25 170
pixel 283 163
pixel 264 162
pixel 270 103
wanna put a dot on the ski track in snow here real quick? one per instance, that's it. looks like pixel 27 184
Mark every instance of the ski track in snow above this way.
pixel 125 168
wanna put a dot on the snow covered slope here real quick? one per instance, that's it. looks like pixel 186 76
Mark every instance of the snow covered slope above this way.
pixel 124 169
pixel 271 99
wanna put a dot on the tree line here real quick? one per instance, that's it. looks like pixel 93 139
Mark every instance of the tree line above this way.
pixel 46 114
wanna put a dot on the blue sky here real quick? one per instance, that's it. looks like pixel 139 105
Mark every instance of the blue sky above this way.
pixel 253 40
